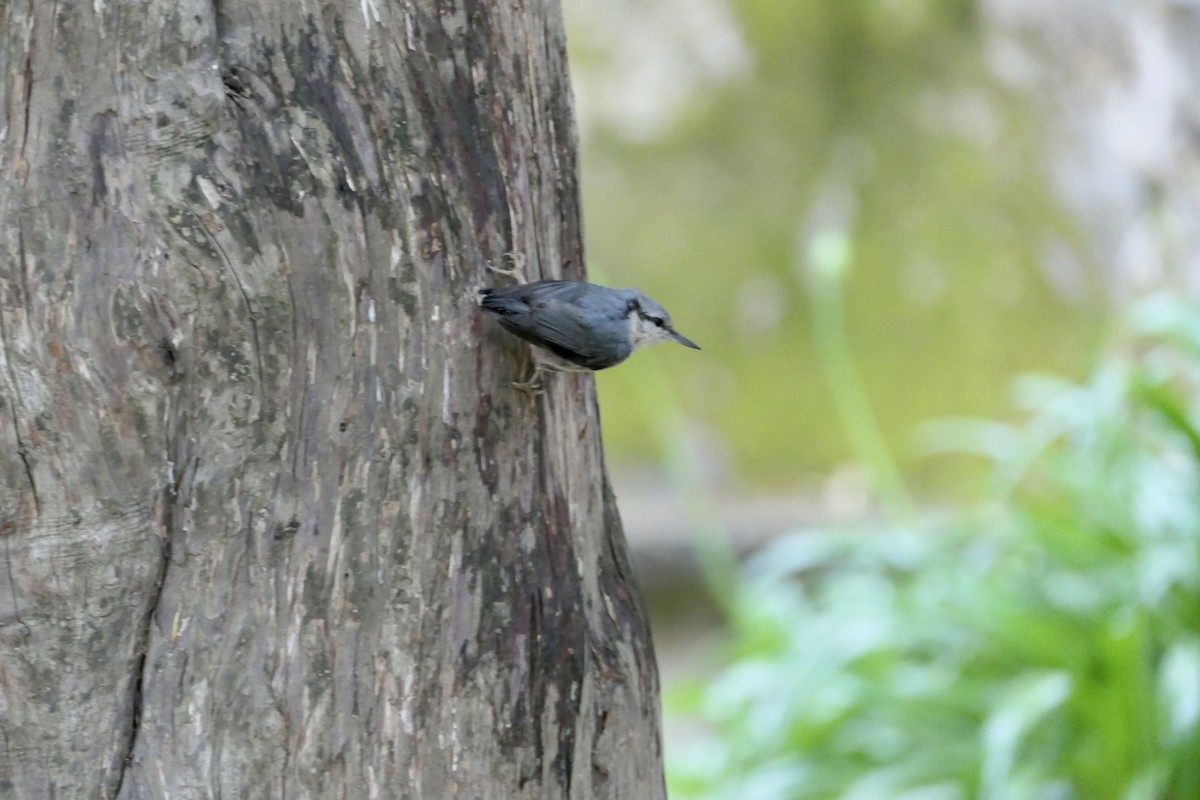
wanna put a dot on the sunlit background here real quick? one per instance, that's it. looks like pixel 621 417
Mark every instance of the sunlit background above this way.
pixel 712 134
pixel 854 209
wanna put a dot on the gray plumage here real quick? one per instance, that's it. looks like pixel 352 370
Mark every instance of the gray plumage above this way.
pixel 582 326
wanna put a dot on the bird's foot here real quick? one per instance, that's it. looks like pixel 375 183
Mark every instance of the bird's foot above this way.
pixel 516 271
pixel 532 386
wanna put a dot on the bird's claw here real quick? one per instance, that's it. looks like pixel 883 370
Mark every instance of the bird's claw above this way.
pixel 532 386
pixel 516 271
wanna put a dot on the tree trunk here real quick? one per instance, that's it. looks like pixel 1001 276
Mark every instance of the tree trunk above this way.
pixel 273 523
pixel 1117 88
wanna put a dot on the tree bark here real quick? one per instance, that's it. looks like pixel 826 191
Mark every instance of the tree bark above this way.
pixel 272 521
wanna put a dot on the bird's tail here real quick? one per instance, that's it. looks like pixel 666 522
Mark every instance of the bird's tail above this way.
pixel 498 303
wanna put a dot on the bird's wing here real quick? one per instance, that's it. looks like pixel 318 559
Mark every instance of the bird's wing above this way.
pixel 559 325
pixel 519 298
pixel 545 314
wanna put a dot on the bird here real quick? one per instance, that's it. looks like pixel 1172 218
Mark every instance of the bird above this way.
pixel 579 327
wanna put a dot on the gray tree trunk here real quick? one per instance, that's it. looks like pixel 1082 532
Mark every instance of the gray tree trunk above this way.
pixel 272 522
pixel 1117 89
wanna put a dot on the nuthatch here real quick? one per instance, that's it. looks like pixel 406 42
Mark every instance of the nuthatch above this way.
pixel 578 327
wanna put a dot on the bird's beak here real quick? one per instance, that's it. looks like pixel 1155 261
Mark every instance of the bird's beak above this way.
pixel 683 340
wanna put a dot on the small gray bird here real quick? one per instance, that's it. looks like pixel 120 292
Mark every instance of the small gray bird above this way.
pixel 578 327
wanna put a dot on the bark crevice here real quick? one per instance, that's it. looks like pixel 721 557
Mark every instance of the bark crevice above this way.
pixel 171 497
pixel 27 72
pixel 22 445
pixel 139 670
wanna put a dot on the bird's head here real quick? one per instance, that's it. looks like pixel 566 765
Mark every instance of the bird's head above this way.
pixel 649 323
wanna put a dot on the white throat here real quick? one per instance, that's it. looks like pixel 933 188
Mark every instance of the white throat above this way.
pixel 643 332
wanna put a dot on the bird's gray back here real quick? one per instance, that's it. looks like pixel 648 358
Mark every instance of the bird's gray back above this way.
pixel 579 322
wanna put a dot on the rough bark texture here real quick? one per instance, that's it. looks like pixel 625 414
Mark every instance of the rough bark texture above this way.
pixel 1117 85
pixel 272 522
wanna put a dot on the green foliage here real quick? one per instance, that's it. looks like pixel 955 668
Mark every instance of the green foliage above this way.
pixel 1046 645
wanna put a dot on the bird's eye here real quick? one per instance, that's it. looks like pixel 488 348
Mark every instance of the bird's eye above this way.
pixel 659 321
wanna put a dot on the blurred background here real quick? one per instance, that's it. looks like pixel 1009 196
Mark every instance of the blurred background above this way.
pixel 875 216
